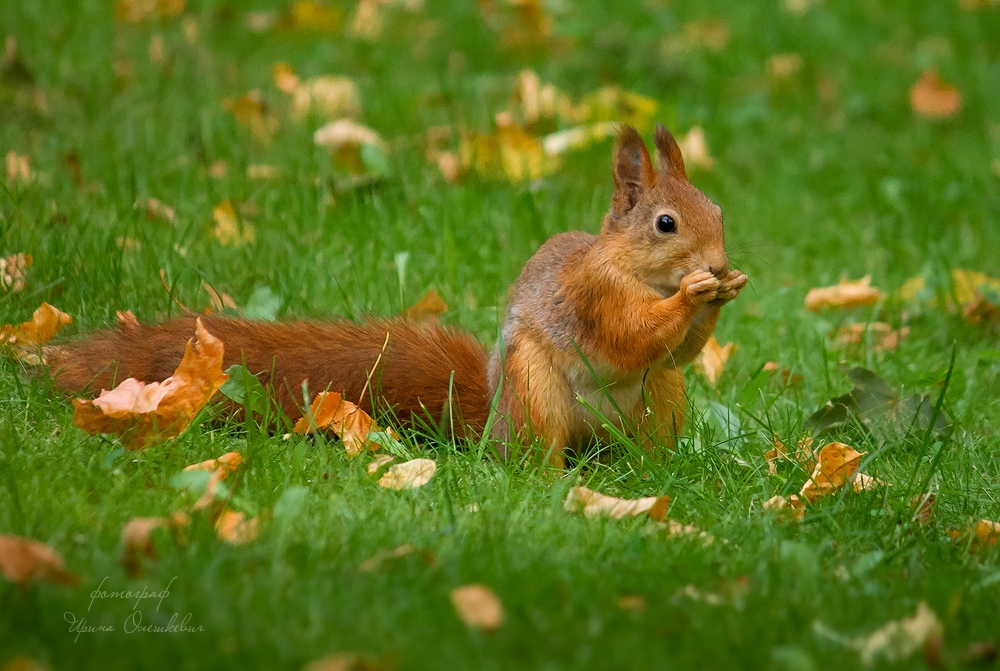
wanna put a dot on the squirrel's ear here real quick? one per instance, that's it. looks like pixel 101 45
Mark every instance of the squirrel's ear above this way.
pixel 632 169
pixel 671 159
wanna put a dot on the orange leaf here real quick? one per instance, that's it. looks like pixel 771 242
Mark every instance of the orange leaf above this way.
pixel 45 323
pixel 23 559
pixel 347 420
pixel 429 307
pixel 594 503
pixel 843 295
pixel 143 414
pixel 933 98
pixel 18 167
pixel 712 359
pixel 235 530
pixel 836 464
pixel 228 463
pixel 791 508
pixel 138 544
pixel 285 78
pixel 478 607
pixel 883 337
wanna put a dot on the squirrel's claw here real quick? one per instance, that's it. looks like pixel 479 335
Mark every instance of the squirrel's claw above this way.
pixel 700 287
pixel 731 286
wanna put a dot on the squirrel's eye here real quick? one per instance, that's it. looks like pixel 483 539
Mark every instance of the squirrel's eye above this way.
pixel 666 224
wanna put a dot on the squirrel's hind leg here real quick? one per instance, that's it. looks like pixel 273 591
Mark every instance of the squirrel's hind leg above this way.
pixel 659 414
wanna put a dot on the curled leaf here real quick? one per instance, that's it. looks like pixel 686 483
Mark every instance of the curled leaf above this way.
pixel 836 464
pixel 409 474
pixel 24 559
pixel 712 359
pixel 791 508
pixel 844 295
pixel 228 463
pixel 143 414
pixel 233 528
pixel 429 307
pixel 593 503
pixel 478 607
pixel 355 427
pixel 378 462
pixel 694 148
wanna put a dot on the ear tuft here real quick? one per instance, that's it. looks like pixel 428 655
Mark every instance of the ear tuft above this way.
pixel 632 168
pixel 671 158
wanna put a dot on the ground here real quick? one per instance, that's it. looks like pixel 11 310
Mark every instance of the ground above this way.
pixel 824 171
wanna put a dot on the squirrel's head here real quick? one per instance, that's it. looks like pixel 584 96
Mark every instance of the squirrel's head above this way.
pixel 660 227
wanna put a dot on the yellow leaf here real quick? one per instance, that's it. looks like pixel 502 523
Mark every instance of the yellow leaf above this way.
pixel 882 335
pixel 378 462
pixel 933 98
pixel 784 66
pixel 613 103
pixel 711 34
pixel 409 474
pixel 897 640
pixel 45 322
pixel 233 528
pixel 328 97
pixel 24 559
pixel 791 508
pixel 12 271
pixel 429 307
pixel 18 167
pixel 143 414
pixel 230 230
pixel 478 607
pixel 986 533
pixel 594 503
pixel 911 288
pixel 227 463
pixel 534 101
pixel 250 110
pixel 835 465
pixel 309 15
pixel 844 295
pixel 694 148
pixel 712 359
pixel 970 285
pixel 367 20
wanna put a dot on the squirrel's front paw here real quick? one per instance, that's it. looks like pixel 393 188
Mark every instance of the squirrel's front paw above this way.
pixel 700 287
pixel 731 286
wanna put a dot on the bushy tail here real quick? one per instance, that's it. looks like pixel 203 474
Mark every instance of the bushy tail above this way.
pixel 414 375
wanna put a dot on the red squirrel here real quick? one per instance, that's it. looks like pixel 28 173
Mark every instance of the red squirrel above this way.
pixel 631 305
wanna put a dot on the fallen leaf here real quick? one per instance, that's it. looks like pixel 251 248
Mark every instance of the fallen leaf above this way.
pixel 24 663
pixel 134 11
pixel 157 49
pixel 218 300
pixel 251 111
pixel 229 229
pixel 836 464
pixel 578 137
pixel 712 359
pixel 429 307
pixel 12 271
pixel 980 652
pixel 261 172
pixel 327 97
pixel 933 98
pixel 694 148
pixel 349 142
pixel 675 528
pixel 45 323
pixel 138 544
pixel 18 167
pixel 409 474
pixel 383 556
pixel 233 528
pixel 24 559
pixel 143 414
pixel 784 66
pixel 693 593
pixel 613 103
pixel 710 34
pixel 218 169
pixel 986 533
pixel 189 28
pixel 844 295
pixel 774 455
pixel 922 506
pixel 127 244
pixel 228 463
pixel 509 154
pixel 791 508
pixel 594 503
pixel 478 607
pixel 534 101
pixel 285 78
pixel 354 426
pixel 309 15
pixel 788 378
pixel 863 482
pixel 378 462
pixel 894 641
pixel 632 603
pixel 881 335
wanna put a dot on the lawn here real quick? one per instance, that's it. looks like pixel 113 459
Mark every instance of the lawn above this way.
pixel 824 171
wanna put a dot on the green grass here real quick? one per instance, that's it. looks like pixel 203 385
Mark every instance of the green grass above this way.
pixel 813 188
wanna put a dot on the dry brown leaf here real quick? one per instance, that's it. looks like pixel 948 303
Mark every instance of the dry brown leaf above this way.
pixel 18 167
pixel 157 210
pixel 285 78
pixel 594 503
pixel 346 133
pixel 712 359
pixel 378 462
pixel 933 98
pixel 12 271
pixel 218 300
pixel 694 148
pixel 45 322
pixel 233 528
pixel 835 465
pixel 229 229
pixel 228 463
pixel 143 414
pixel 784 66
pixel 792 508
pixel 328 97
pixel 24 559
pixel 882 335
pixel 347 420
pixel 428 308
pixel 985 533
pixel 409 474
pixel 844 295
pixel 478 607
pixel 138 544
pixel 134 11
